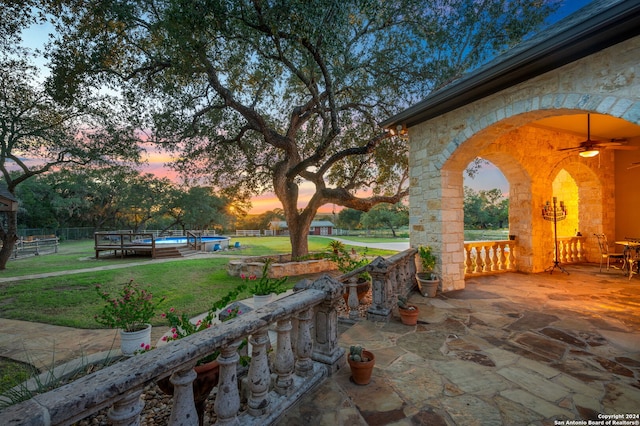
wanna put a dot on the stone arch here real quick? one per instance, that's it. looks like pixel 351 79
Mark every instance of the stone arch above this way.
pixel 594 214
pixel 479 136
pixel 506 117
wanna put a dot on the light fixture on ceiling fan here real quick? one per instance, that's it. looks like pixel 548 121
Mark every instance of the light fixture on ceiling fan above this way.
pixel 590 148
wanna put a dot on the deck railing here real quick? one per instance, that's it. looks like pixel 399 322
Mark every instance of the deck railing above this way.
pixel 306 351
pixel 124 242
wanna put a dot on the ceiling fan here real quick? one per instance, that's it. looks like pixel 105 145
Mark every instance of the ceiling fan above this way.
pixel 591 148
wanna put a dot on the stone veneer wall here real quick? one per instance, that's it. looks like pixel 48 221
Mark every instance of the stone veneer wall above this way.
pixel 496 128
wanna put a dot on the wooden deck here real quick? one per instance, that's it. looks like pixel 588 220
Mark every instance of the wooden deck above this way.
pixel 125 243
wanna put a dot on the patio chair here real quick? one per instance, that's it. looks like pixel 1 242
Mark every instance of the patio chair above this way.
pixel 604 252
pixel 633 258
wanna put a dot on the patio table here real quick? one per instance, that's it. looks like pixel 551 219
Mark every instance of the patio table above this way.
pixel 631 255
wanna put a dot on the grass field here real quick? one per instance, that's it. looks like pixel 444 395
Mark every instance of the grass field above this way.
pixel 189 285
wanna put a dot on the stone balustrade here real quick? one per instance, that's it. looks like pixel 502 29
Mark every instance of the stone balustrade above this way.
pixel 390 277
pixel 489 257
pixel 571 250
pixel 306 352
pixel 492 257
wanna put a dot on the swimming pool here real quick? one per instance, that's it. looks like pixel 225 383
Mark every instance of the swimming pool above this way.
pixel 208 243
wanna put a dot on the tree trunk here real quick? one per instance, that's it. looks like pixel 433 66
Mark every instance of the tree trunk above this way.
pixel 9 238
pixel 298 232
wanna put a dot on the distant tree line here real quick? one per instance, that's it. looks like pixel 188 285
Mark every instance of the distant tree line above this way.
pixel 122 198
pixel 485 209
pixel 118 198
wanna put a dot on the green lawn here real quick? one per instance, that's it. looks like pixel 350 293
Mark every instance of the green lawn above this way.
pixel 189 285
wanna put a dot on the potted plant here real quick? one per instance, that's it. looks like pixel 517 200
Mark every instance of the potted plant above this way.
pixel 361 362
pixel 130 311
pixel 336 246
pixel 408 313
pixel 264 287
pixel 427 279
pixel 347 263
pixel 207 368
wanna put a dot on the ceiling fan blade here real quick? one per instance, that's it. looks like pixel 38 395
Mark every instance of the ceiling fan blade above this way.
pixel 623 148
pixel 573 148
pixel 608 144
pixel 634 165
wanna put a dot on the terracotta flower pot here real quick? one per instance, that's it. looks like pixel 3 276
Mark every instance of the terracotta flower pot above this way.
pixel 207 379
pixel 361 370
pixel 428 287
pixel 409 316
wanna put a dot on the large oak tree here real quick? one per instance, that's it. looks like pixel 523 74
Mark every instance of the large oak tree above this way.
pixel 264 95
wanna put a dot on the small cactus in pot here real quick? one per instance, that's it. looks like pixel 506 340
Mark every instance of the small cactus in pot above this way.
pixel 361 362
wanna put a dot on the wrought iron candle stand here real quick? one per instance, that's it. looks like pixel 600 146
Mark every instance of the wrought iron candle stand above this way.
pixel 555 213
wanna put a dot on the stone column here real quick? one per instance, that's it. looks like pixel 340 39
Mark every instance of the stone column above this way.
pixel 380 309
pixel 326 348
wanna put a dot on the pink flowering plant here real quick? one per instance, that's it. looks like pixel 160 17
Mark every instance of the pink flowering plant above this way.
pixel 130 310
pixel 182 325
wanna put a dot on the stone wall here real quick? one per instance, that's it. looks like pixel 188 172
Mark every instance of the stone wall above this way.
pixel 254 266
pixel 498 129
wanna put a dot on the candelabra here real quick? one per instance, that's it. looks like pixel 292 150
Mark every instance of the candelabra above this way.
pixel 555 213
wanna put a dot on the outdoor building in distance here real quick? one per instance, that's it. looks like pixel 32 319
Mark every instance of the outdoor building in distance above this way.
pixel 318 227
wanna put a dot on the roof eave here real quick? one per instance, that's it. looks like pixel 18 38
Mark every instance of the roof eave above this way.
pixel 602 30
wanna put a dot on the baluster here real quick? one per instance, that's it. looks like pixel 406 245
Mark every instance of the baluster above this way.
pixel 352 301
pixel 486 259
pixel 512 256
pixel 478 266
pixel 184 411
pixel 284 358
pixel 572 250
pixel 503 257
pixel 228 399
pixel 304 365
pixel 126 412
pixel 259 375
pixel 580 245
pixel 468 264
pixel 494 257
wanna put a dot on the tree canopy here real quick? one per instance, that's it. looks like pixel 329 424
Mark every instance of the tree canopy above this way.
pixel 260 96
pixel 40 132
